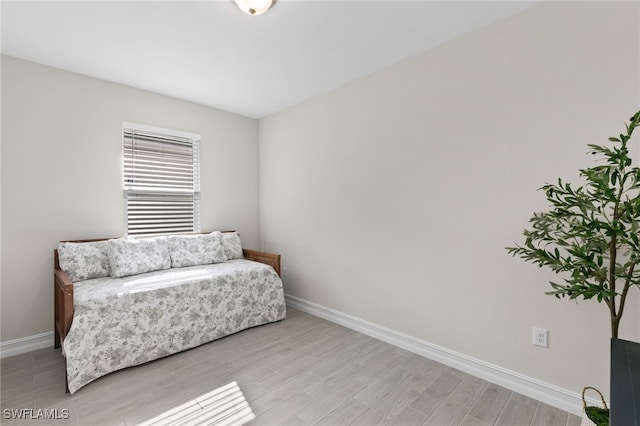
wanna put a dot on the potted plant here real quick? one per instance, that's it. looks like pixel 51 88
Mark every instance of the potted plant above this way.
pixel 589 235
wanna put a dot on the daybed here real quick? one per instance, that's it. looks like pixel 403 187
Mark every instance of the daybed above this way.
pixel 123 302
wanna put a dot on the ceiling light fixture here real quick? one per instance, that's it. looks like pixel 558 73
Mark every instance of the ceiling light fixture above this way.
pixel 255 7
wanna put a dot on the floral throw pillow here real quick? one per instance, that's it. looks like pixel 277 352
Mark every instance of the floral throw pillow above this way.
pixel 131 257
pixel 83 261
pixel 190 250
pixel 232 245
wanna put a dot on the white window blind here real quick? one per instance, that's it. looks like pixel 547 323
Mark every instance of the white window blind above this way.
pixel 161 182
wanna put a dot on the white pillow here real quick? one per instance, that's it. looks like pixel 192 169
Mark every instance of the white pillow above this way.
pixel 130 257
pixel 190 250
pixel 83 261
pixel 232 245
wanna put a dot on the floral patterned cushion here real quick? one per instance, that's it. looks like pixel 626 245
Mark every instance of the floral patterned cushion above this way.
pixel 232 245
pixel 191 250
pixel 83 261
pixel 131 257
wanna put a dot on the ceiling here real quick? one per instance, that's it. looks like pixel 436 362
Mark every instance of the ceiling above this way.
pixel 211 53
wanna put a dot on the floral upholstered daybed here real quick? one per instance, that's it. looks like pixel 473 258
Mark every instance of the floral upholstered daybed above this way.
pixel 123 302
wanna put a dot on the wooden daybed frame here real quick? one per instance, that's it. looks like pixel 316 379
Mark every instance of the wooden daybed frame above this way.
pixel 63 288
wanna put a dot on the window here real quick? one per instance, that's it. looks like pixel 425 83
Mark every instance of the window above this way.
pixel 161 181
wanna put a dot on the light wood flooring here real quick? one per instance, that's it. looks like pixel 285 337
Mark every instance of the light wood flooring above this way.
pixel 300 371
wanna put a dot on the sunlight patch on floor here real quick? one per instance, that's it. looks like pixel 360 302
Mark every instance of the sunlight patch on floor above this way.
pixel 224 406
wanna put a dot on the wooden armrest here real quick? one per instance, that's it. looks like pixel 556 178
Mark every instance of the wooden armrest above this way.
pixel 263 257
pixel 63 280
pixel 63 304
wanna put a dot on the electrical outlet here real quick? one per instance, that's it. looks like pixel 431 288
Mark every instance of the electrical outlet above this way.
pixel 540 337
pixel 285 272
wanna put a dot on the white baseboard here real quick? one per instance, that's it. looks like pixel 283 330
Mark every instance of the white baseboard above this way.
pixel 553 395
pixel 26 344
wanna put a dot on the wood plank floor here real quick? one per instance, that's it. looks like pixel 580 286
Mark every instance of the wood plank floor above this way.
pixel 300 371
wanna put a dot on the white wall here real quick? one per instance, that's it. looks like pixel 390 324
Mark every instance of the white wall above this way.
pixel 61 174
pixel 392 198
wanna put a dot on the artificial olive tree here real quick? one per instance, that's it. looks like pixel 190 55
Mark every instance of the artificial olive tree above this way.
pixel 590 234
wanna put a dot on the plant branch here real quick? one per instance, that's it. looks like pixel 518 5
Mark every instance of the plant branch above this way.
pixel 625 289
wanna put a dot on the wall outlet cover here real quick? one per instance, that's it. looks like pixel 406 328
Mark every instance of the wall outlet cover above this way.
pixel 540 337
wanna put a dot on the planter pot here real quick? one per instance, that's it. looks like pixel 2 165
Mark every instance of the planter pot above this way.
pixel 625 383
